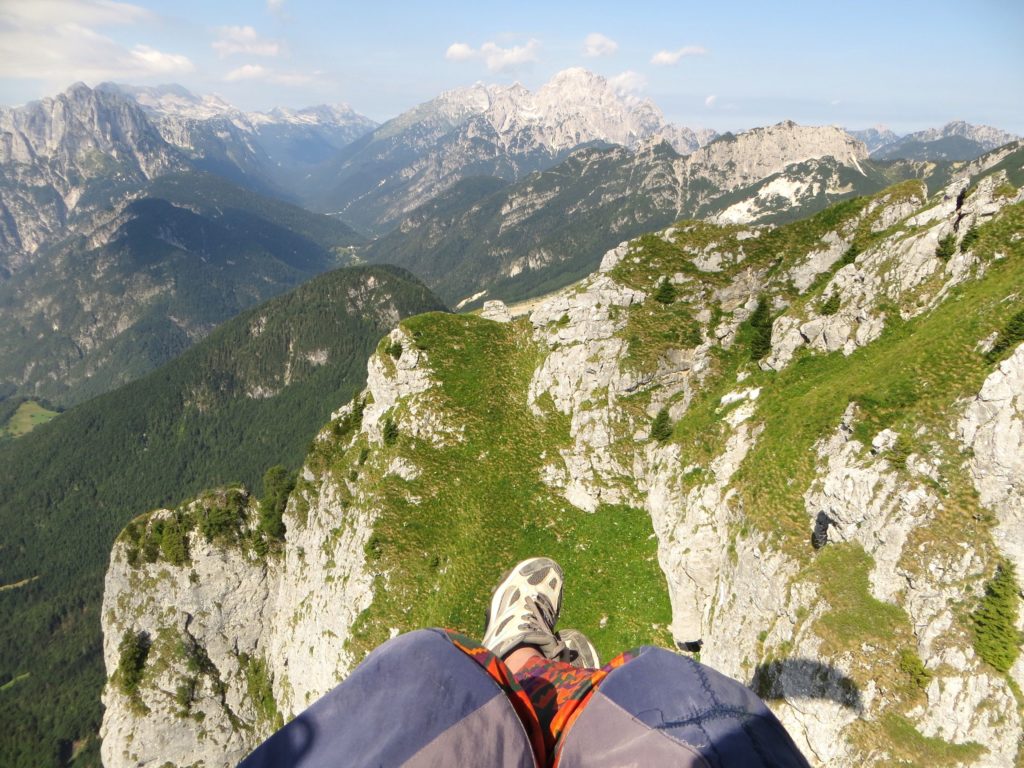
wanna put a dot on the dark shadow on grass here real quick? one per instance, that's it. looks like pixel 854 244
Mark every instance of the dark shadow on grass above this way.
pixel 805 678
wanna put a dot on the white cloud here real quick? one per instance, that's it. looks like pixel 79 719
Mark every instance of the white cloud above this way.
pixel 291 78
pixel 665 58
pixel 87 12
pixel 232 40
pixel 499 58
pixel 247 72
pixel 628 81
pixel 459 52
pixel 597 44
pixel 159 62
pixel 259 72
pixel 275 5
pixel 494 56
pixel 710 100
pixel 59 42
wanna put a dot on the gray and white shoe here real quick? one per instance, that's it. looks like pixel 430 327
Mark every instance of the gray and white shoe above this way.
pixel 579 651
pixel 524 609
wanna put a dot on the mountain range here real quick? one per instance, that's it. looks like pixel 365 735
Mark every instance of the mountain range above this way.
pixel 118 252
pixel 502 132
pixel 136 222
pixel 957 140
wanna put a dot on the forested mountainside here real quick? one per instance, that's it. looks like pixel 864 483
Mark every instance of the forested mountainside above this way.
pixel 153 274
pixel 250 396
pixel 799 445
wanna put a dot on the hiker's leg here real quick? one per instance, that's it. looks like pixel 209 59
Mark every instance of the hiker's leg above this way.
pixel 515 660
pixel 659 708
pixel 417 700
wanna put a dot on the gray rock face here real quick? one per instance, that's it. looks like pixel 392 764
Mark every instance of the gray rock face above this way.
pixel 736 161
pixel 903 264
pixel 210 605
pixel 497 311
pixel 761 609
pixel 992 428
pixel 54 150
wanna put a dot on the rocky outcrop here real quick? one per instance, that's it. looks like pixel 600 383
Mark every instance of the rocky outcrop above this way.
pixel 906 263
pixel 992 429
pixel 244 633
pixel 736 161
pixel 842 593
pixel 198 619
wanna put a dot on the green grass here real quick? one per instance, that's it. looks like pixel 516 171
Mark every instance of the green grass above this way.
pixel 996 638
pixel 908 379
pixel 29 415
pixel 482 507
pixel 854 616
pixel 910 747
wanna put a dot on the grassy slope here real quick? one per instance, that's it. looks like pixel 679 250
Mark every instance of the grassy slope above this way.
pixel 28 416
pixel 495 510
pixel 910 380
pixel 482 506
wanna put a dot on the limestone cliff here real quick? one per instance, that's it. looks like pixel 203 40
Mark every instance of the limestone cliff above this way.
pixel 794 451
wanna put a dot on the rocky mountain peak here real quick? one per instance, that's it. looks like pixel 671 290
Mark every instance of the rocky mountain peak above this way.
pixel 737 160
pixel 875 137
pixel 986 135
pixel 574 107
pixel 78 121
pixel 173 100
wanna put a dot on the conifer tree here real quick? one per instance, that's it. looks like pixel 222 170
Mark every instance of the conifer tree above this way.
pixel 661 428
pixel 995 622
pixel 666 292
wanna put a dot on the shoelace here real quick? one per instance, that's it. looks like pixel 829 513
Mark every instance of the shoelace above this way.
pixel 538 623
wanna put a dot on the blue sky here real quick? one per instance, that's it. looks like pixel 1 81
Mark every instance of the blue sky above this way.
pixel 727 66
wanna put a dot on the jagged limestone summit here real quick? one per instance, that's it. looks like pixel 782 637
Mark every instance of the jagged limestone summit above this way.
pixel 800 445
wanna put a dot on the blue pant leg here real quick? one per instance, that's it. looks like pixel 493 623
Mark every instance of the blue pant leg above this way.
pixel 417 700
pixel 665 709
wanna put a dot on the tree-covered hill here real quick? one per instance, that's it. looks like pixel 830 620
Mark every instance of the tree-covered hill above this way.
pixel 249 396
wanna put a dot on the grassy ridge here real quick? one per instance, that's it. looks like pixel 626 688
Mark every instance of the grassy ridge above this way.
pixel 480 505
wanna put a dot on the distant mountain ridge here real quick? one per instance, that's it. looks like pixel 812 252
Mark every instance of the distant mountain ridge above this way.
pixel 501 131
pixel 270 150
pixel 955 141
pixel 487 239
pixel 68 157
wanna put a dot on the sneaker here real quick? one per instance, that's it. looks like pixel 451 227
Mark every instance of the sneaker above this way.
pixel 580 651
pixel 524 609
